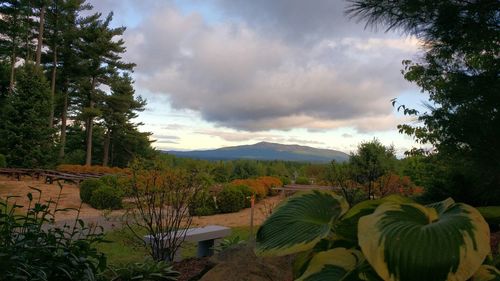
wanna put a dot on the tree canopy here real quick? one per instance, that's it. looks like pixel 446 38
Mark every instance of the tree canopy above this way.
pixel 55 58
pixel 460 72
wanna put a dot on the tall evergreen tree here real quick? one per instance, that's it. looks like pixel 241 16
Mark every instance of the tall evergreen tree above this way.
pixel 102 59
pixel 118 110
pixel 27 141
pixel 12 28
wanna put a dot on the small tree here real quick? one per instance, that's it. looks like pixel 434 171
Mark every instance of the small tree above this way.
pixel 340 175
pixel 371 161
pixel 161 210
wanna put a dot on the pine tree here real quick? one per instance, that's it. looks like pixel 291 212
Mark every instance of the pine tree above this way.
pixel 102 55
pixel 12 28
pixel 118 110
pixel 28 141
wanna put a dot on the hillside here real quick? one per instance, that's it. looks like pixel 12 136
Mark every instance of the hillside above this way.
pixel 267 151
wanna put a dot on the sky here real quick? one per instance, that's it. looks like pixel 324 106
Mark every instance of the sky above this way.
pixel 220 73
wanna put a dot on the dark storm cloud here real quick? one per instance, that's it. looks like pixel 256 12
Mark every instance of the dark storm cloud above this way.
pixel 295 20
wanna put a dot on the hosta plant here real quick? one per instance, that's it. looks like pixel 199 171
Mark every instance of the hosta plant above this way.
pixel 392 238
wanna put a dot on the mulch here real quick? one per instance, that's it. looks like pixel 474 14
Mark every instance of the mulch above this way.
pixel 494 241
pixel 192 269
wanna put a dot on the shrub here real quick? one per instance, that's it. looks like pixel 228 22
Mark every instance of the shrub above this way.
pixel 106 197
pixel 87 187
pixel 31 251
pixel 161 196
pixel 76 156
pixel 285 180
pixel 270 183
pixel 118 182
pixel 91 169
pixel 302 180
pixel 3 161
pixel 203 204
pixel 230 200
pixel 147 271
pixel 247 192
pixel 255 186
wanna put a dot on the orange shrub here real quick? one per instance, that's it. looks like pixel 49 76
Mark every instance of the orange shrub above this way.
pixel 91 169
pixel 269 183
pixel 255 186
pixel 394 184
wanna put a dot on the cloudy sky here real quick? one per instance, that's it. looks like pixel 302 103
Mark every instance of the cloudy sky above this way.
pixel 229 72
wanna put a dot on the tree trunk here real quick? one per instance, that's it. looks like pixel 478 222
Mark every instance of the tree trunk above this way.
pixel 370 190
pixel 40 36
pixel 27 19
pixel 12 69
pixel 112 154
pixel 89 126
pixel 64 118
pixel 53 88
pixel 107 141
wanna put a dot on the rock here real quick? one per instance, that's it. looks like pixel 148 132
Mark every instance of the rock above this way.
pixel 241 264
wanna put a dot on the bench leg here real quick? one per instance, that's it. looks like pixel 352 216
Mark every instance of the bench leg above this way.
pixel 205 248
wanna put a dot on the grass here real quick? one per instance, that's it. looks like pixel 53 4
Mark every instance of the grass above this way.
pixel 122 248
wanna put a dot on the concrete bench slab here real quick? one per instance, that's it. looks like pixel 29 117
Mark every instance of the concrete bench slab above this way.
pixel 205 236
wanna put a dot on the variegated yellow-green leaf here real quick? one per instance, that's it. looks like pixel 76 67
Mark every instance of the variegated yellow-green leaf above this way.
pixel 490 213
pixel 412 242
pixel 486 273
pixel 347 227
pixel 332 265
pixel 300 222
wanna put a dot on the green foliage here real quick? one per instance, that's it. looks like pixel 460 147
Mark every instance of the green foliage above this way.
pixel 146 271
pixel 35 249
pixel 27 141
pixel 247 192
pixel 386 239
pixel 302 180
pixel 371 161
pixel 459 71
pixel 227 243
pixel 3 161
pixel 76 156
pixel 203 204
pixel 118 182
pixel 296 226
pixel 491 214
pixel 230 200
pixel 87 187
pixel 105 197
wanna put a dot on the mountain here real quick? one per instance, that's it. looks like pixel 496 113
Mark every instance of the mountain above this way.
pixel 267 151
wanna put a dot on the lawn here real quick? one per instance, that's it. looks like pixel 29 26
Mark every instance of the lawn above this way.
pixel 122 248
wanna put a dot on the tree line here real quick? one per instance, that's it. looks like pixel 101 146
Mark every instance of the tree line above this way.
pixel 66 94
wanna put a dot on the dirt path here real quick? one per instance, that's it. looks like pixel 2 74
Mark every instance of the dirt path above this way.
pixel 70 198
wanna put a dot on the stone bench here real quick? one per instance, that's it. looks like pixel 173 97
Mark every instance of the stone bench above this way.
pixel 205 236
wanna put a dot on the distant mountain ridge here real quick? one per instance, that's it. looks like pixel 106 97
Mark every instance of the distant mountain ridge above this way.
pixel 267 151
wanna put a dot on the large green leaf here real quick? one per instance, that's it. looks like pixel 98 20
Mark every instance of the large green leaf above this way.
pixel 300 222
pixel 347 227
pixel 486 273
pixel 447 241
pixel 333 265
pixel 490 213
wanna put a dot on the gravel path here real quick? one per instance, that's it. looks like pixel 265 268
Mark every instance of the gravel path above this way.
pixel 70 198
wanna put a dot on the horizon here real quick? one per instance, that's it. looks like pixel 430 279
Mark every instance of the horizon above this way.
pixel 229 73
